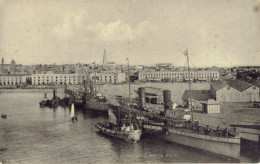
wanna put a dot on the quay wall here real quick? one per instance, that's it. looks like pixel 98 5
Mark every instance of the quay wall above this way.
pixel 177 89
pixel 32 90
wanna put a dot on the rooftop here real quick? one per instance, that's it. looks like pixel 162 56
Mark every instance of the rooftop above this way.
pixel 199 95
pixel 211 102
pixel 217 85
pixel 239 85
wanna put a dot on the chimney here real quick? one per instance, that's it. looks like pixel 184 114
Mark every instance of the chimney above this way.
pixel 141 91
pixel 167 100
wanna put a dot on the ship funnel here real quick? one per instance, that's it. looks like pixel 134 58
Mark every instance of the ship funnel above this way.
pixel 54 93
pixel 141 91
pixel 167 100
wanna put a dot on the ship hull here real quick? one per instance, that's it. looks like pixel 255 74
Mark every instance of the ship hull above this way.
pixel 219 145
pixel 78 102
pixel 97 106
pixel 130 136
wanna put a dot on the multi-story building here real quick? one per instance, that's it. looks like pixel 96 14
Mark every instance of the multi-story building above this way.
pixel 108 77
pixel 178 75
pixel 12 79
pixel 58 79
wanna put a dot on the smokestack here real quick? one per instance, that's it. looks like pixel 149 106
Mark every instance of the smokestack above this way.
pixel 167 100
pixel 141 91
pixel 54 95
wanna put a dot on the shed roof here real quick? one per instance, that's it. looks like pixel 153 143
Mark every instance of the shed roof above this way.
pixel 256 83
pixel 239 85
pixel 217 85
pixel 210 102
pixel 199 95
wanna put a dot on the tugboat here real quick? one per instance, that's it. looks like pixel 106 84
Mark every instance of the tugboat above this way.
pixel 45 102
pixel 55 101
pixel 72 114
pixel 120 128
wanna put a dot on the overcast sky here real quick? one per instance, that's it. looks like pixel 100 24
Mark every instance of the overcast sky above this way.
pixel 216 32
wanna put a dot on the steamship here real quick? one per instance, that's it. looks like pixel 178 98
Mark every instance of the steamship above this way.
pixel 93 100
pixel 190 133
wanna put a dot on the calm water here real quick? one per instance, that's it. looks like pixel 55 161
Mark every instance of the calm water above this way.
pixel 32 134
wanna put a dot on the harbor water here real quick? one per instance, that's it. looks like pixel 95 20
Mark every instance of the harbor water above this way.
pixel 31 134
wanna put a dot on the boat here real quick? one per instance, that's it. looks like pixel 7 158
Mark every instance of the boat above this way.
pixel 150 127
pixel 125 128
pixel 4 116
pixel 190 133
pixel 45 102
pixel 72 113
pixel 55 101
pixel 97 103
pixel 77 97
pixel 94 100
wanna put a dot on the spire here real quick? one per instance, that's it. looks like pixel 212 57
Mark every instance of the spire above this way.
pixel 104 58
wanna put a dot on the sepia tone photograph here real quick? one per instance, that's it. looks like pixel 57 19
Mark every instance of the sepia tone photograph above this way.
pixel 129 81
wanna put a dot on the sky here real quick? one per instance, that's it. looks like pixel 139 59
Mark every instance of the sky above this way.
pixel 216 33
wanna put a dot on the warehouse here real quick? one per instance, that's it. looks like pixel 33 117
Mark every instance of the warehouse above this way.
pixel 234 91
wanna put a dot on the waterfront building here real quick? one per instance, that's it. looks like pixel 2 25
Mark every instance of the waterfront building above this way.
pixel 12 79
pixel 178 76
pixel 234 91
pixel 108 77
pixel 58 79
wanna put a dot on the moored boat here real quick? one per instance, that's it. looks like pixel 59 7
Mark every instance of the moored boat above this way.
pixel 45 102
pixel 190 133
pixel 219 144
pixel 120 128
pixel 97 103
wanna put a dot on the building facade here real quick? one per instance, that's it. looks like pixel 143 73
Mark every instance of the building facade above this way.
pixel 178 76
pixel 108 77
pixel 58 79
pixel 12 79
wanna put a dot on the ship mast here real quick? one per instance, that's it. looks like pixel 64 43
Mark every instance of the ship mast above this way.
pixel 95 78
pixel 129 89
pixel 186 53
pixel 129 79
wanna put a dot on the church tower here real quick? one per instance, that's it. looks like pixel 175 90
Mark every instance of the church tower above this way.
pixel 104 58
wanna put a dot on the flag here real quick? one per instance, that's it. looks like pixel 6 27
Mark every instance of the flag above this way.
pixel 185 52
